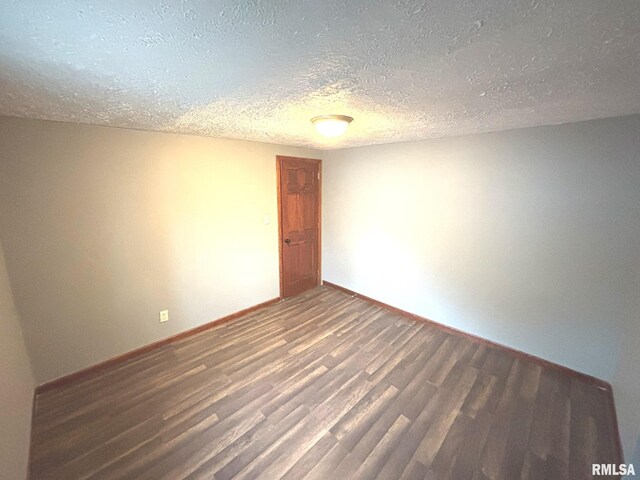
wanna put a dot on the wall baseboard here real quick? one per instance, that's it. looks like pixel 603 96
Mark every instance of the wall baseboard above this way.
pixel 93 369
pixel 474 338
pixel 602 384
pixel 77 376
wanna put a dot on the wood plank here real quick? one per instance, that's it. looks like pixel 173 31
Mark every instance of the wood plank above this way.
pixel 324 385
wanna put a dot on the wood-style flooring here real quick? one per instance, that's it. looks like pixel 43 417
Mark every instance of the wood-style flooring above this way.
pixel 323 386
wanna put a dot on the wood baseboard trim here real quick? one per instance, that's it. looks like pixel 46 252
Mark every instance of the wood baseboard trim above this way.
pixel 93 369
pixel 606 386
pixel 474 338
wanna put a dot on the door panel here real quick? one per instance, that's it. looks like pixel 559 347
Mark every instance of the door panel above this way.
pixel 299 200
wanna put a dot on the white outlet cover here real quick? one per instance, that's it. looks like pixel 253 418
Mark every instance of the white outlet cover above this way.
pixel 164 316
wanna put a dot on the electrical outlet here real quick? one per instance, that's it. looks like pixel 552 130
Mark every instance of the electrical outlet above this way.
pixel 164 316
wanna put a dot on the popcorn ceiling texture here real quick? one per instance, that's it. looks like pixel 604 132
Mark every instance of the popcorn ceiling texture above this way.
pixel 260 69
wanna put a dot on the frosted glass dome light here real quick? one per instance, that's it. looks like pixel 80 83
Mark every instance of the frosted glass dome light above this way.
pixel 331 125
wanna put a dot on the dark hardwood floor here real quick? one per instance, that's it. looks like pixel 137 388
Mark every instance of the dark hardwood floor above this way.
pixel 323 386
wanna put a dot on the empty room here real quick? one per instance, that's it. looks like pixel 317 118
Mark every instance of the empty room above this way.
pixel 335 240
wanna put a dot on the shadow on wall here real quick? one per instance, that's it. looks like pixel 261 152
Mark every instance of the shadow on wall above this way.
pixel 87 246
pixel 86 218
pixel 106 227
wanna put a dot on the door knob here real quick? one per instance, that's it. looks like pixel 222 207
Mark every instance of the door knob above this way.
pixel 287 241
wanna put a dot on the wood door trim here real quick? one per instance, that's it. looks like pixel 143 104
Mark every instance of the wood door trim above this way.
pixel 318 162
pixel 111 362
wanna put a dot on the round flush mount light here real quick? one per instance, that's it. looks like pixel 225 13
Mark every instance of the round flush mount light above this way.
pixel 331 125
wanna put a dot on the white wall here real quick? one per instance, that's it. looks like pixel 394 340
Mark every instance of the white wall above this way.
pixel 16 387
pixel 105 227
pixel 523 237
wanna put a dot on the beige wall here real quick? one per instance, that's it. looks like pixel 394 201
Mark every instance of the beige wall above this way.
pixel 16 387
pixel 105 227
pixel 527 237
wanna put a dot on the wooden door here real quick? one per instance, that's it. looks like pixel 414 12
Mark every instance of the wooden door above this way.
pixel 299 222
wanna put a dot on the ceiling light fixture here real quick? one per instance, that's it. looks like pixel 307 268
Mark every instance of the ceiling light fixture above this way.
pixel 331 125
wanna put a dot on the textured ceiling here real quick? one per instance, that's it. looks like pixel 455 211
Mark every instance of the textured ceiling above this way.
pixel 260 69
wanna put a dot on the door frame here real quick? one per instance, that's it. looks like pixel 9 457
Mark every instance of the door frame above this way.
pixel 317 161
